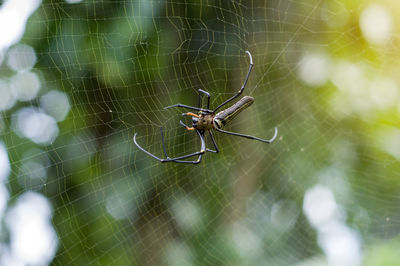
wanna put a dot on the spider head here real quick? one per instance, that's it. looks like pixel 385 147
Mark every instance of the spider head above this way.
pixel 195 121
pixel 204 121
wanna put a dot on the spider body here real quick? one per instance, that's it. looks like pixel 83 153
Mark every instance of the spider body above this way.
pixel 204 121
pixel 207 120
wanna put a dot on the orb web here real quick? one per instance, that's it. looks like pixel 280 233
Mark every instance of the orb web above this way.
pixel 79 78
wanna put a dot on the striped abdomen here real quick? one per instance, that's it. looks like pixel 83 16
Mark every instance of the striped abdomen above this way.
pixel 223 117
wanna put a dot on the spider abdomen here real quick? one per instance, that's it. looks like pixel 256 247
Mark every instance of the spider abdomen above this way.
pixel 223 117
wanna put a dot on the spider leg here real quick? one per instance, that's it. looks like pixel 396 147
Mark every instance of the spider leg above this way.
pixel 148 153
pixel 186 126
pixel 208 98
pixel 248 136
pixel 163 144
pixel 203 145
pixel 190 114
pixel 243 86
pixel 213 141
pixel 176 159
pixel 188 107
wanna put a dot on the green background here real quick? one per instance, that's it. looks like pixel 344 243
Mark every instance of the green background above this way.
pixel 121 62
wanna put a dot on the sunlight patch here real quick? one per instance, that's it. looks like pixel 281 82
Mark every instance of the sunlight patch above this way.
pixel 187 213
pixel 32 175
pixel 32 237
pixel 25 86
pixel 4 195
pixel 319 205
pixel 248 243
pixel 13 17
pixel 340 244
pixel 56 104
pixel 21 57
pixel 349 77
pixel 7 99
pixel 73 1
pixel 314 69
pixel 178 254
pixel 120 205
pixel 32 172
pixel 376 24
pixel 4 163
pixel 2 55
pixel 34 124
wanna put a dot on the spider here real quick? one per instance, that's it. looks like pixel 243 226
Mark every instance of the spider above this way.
pixel 208 119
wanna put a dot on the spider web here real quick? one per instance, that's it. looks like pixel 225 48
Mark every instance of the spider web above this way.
pixel 326 192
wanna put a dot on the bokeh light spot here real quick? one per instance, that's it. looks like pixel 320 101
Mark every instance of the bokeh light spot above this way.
pixel 34 124
pixel 314 69
pixel 319 205
pixel 7 99
pixel 33 239
pixel 178 254
pixel 248 243
pixel 21 57
pixel 4 195
pixel 73 1
pixel 120 205
pixel 32 175
pixel 56 104
pixel 25 86
pixel 13 17
pixel 186 212
pixel 376 24
pixel 2 55
pixel 4 163
pixel 340 244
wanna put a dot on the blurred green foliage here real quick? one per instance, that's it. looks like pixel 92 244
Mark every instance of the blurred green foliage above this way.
pixel 122 61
